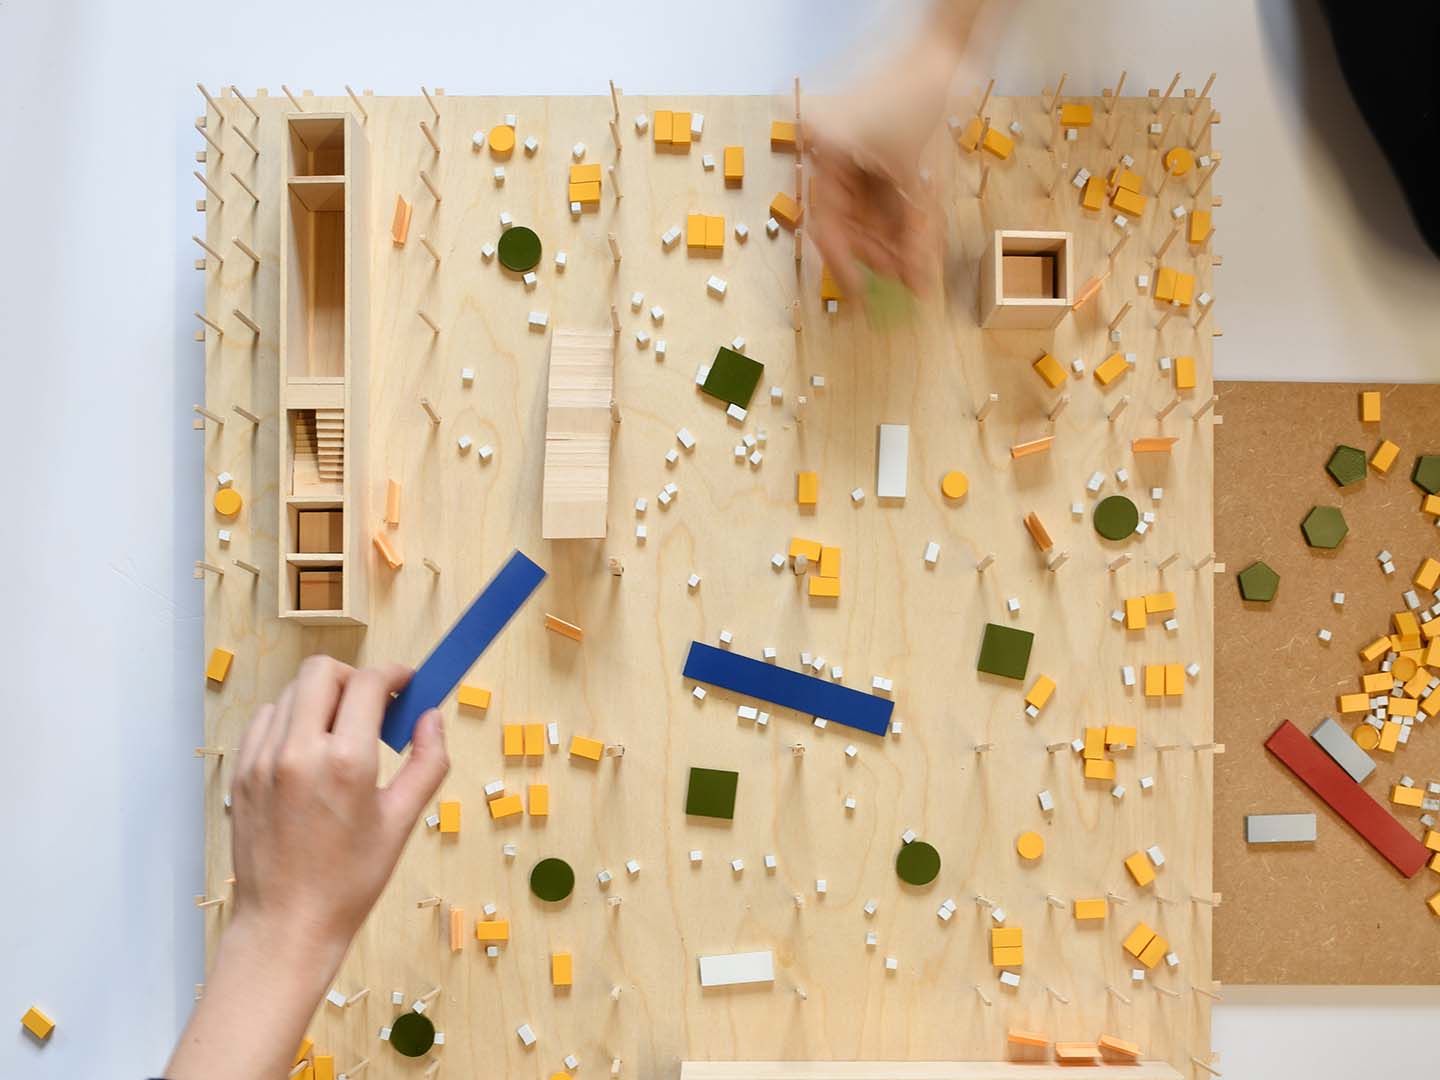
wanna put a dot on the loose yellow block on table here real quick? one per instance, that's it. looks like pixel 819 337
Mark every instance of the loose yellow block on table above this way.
pixel 1099 769
pixel 473 697
pixel 1128 202
pixel 695 230
pixel 590 749
pixel 809 548
pixel 1174 680
pixel 714 232
pixel 830 562
pixel 1049 369
pixel 539 800
pixel 825 587
pixel 1428 576
pixel 1111 369
pixel 534 740
pixel 512 740
pixel 1040 693
pixel 807 488
pixel 219 665
pixel 786 210
pixel 1158 603
pixel 505 806
pixel 37 1023
pixel 324 1067
pixel 1094 748
pixel 492 929
pixel 1432 840
pixel 1406 796
pixel 585 174
pixel 1091 909
pixel 734 164
pixel 1389 737
pixel 782 135
pixel 1008 956
pixel 1184 373
pixel 1370 406
pixel 664 124
pixel 1384 456
pixel 1076 115
pixel 1119 735
pixel 998 143
pixel 1154 680
pixel 562 969
pixel 1093 197
pixel 680 130
pixel 1152 953
pixel 1135 613
pixel 1140 869
pixel 586 194
pixel 1141 936
pixel 450 817
pixel 1199 226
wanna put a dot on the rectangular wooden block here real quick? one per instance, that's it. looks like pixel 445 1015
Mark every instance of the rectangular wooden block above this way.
pixel 1100 769
pixel 824 587
pixel 219 665
pixel 1049 369
pixel 534 740
pixel 782 135
pixel 811 549
pixel 807 488
pixel 1140 869
pixel 505 806
pixel 1184 373
pixel 512 740
pixel 786 210
pixel 562 969
pixel 1111 368
pixel 1135 613
pixel 585 174
pixel 1076 115
pixel 320 532
pixel 1154 680
pixel 829 562
pixel 664 122
pixel 734 164
pixel 473 697
pixel 492 930
pixel 563 628
pixel 1097 908
pixel 1174 680
pixel 450 817
pixel 584 747
pixel 1128 202
pixel 586 194
pixel 1199 226
pixel 457 929
pixel 1040 693
pixel 538 801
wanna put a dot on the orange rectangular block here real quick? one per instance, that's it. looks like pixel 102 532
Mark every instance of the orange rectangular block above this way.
pixel 1111 368
pixel 1100 769
pixel 1036 528
pixel 512 740
pixel 734 165
pixel 1141 936
pixel 219 665
pixel 1384 456
pixel 1074 1051
pixel 1159 602
pixel 1406 624
pixel 505 806
pixel 1376 649
pixel 1406 796
pixel 1135 613
pixel 1389 737
pixel 560 626
pixel 1034 446
pixel 1154 680
pixel 325 1063
pixel 400 223
pixel 1199 226
pixel 664 123
pixel 1184 373
pixel 1076 115
pixel 1428 576
pixel 1128 202
pixel 1154 952
pixel 1174 680
pixel 450 817
pixel 1027 1038
pixel 586 194
pixel 714 232
pixel 1086 910
pixel 807 488
pixel 457 929
pixel 1049 369
pixel 1140 869
pixel 1093 197
pixel 1353 703
pixel 1184 288
pixel 829 287
pixel 695 231
pixel 539 800
pixel 786 210
pixel 680 130
pixel 1403 706
pixel 534 740
pixel 585 174
pixel 809 548
pixel 830 562
pixel 1121 177
pixel 1153 444
pixel 590 749
pixel 388 551
pixel 1119 735
pixel 562 969
pixel 1119 1047
pixel 492 930
pixel 1378 682
pixel 1094 744
pixel 824 587
pixel 1008 956
pixel 998 143
pixel 473 697
pixel 1040 693
pixel 392 502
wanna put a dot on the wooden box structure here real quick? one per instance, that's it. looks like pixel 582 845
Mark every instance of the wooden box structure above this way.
pixel 1025 280
pixel 324 365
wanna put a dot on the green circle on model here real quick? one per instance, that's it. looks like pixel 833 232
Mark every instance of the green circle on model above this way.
pixel 1116 517
pixel 552 879
pixel 519 249
pixel 917 863
pixel 412 1034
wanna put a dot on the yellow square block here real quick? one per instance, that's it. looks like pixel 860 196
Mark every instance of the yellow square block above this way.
pixel 1124 179
pixel 324 1067
pixel 1434 903
pixel 809 548
pixel 734 164
pixel 1005 937
pixel 715 232
pixel 534 740
pixel 1100 769
pixel 505 806
pixel 807 488
pixel 590 749
pixel 1432 840
pixel 1370 406
pixel 664 122
pixel 450 817
pixel 1076 115
pixel 695 230
pixel 1406 796
pixel 782 135
pixel 1049 369
pixel 1376 649
pixel 1141 936
pixel 37 1023
pixel 1199 226
pixel 1430 505
pixel 1094 744
pixel 492 929
pixel 1111 369
pixel 1091 909
pixel 1174 680
pixel 1184 288
pixel 585 174
pixel 1135 613
pixel 1153 952
pixel 786 210
pixel 512 740
pixel 1378 682
pixel 1164 288
pixel 1158 603
pixel 1406 625
pixel 1384 456
pixel 998 143
pixel 586 194
pixel 1128 202
pixel 1140 869
pixel 538 802
pixel 1431 704
pixel 1353 703
pixel 1094 195
pixel 1008 956
pixel 1184 373
pixel 680 130
pixel 1428 575
pixel 1119 735
pixel 473 697
pixel 1416 686
pixel 829 287
pixel 1154 680
pixel 829 587
pixel 562 969
pixel 1040 693
pixel 1403 706
pixel 219 665
pixel 1389 737
pixel 830 562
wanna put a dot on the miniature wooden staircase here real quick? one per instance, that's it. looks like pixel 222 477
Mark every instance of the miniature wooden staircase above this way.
pixel 330 443
pixel 317 439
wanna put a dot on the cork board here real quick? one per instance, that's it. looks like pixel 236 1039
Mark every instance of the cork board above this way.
pixel 1332 912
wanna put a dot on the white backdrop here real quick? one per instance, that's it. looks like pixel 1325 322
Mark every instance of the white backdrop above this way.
pixel 100 648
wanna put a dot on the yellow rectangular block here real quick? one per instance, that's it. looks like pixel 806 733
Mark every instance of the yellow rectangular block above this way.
pixel 534 740
pixel 1432 654
pixel 827 587
pixel 1119 1046
pixel 1027 1038
pixel 1076 1051
pixel 1434 863
pixel 807 488
pixel 1158 603
pixel 1040 693
pixel 1428 575
pixel 695 230
pixel 1376 649
pixel 1010 956
pixel 1128 202
pixel 1076 115
pixel 1140 869
pixel 1370 406
pixel 734 164
pixel 969 137
pixel 1389 737
pixel 505 806
pixel 1432 840
pixel 219 665
pixel 830 562
pixel 1124 179
pixel 585 174
pixel 1403 706
pixel 1100 769
pixel 680 130
pixel 473 697
pixel 1154 952
pixel 586 194
pixel 829 287
pixel 1119 735
pixel 562 969
pixel 714 232
pixel 1174 680
pixel 664 123
pixel 1416 687
pixel 1184 288
pixel 307 1072
pixel 306 1045
pixel 782 135
pixel 1091 909
pixel 492 930
pixel 1429 630
pixel 1184 373
pixel 1049 369
pixel 1094 744
pixel 998 143
pixel 590 749
pixel 512 740
pixel 37 1023
pixel 1164 288
pixel 1378 682
pixel 1406 796
pixel 450 816
pixel 1199 226
pixel 809 548
pixel 1003 937
pixel 786 210
pixel 1093 197
pixel 1135 613
pixel 1384 456
pixel 1141 936
pixel 324 1067
pixel 1154 680
pixel 1353 703
pixel 1111 369
pixel 1406 625
pixel 538 800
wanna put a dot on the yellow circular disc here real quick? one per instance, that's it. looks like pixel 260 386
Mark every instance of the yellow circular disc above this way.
pixel 502 140
pixel 228 502
pixel 1367 737
pixel 1030 845
pixel 1179 160
pixel 1404 668
pixel 954 484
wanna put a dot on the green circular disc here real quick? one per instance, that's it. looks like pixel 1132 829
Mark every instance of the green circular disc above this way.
pixel 412 1034
pixel 552 879
pixel 917 863
pixel 519 249
pixel 1116 517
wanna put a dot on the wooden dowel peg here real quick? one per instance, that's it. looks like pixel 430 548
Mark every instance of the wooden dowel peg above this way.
pixel 431 565
pixel 430 995
pixel 1059 559
pixel 430 410
pixel 428 246
pixel 1165 131
pixel 1161 898
pixel 1050 898
pixel 615 134
pixel 982 994
pixel 1056 177
pixel 614 242
pixel 614 183
pixel 434 109
pixel 359 995
pixel 1123 559
pixel 614 98
pixel 614 320
pixel 1168 241
pixel 429 136
pixel 1120 316
pixel 1056 747
pixel 246 413
pixel 211 323
pixel 219 150
pixel 984 100
pixel 1117 994
pixel 247 321
pixel 991 400
pixel 1162 747
pixel 1116 898
pixel 1119 247
pixel 216 417
pixel 1166 562
pixel 1161 414
pixel 1115 94
pixel 1059 89
pixel 244 186
pixel 1057 995
pixel 249 568
pixel 212 102
pixel 1208 174
pixel 797 99
pixel 1165 990
pixel 1111 130
pixel 799 247
pixel 215 901
pixel 202 567
pixel 246 248
pixel 1204 313
pixel 215 254
pixel 288 94
pixel 795 323
pixel 1165 319
pixel 209 186
pixel 1205 561
pixel 434 329
pixel 1205 408
pixel 210 751
pixel 429 901
pixel 1212 747
pixel 1204 91
pixel 1155 105
pixel 355 98
pixel 1207 993
pixel 359 1067
pixel 983 901
pixel 247 141
pixel 1119 407
pixel 984 180
pixel 1213 900
pixel 1058 408
pixel 430 185
pixel 1208 1068
pixel 244 100
pixel 985 563
pixel 984 747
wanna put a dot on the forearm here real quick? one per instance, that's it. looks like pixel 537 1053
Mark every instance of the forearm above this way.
pixel 262 991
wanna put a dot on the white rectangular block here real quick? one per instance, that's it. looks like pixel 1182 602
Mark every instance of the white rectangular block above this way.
pixel 892 461
pixel 737 969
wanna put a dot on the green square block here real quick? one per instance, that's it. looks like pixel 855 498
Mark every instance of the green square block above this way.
pixel 1005 651
pixel 1426 474
pixel 712 793
pixel 733 377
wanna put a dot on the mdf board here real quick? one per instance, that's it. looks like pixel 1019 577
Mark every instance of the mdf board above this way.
pixel 1331 912
pixel 577 434
pixel 919 1070
pixel 917 624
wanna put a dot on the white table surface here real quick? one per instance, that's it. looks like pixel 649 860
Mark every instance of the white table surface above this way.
pixel 100 645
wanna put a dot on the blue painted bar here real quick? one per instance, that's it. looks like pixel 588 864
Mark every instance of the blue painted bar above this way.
pixel 458 649
pixel 780 686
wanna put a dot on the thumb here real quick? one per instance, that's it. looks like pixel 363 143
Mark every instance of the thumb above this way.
pixel 419 778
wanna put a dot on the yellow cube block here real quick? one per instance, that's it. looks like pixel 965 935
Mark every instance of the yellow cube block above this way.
pixel 539 800
pixel 1076 115
pixel 1199 226
pixel 492 930
pixel 562 969
pixel 715 232
pixel 1040 693
pixel 826 587
pixel 998 143
pixel 1049 369
pixel 1428 575
pixel 1140 869
pixel 664 122
pixel 219 665
pixel 1154 680
pixel 1158 603
pixel 1384 456
pixel 1174 680
pixel 1094 195
pixel 450 817
pixel 782 135
pixel 37 1023
pixel 1406 796
pixel 809 548
pixel 1184 373
pixel 473 697
pixel 786 210
pixel 1091 909
pixel 1111 369
pixel 590 749
pixel 1128 202
pixel 1008 956
pixel 807 488
pixel 505 806
pixel 734 164
pixel 1141 936
pixel 512 740
pixel 1135 613
pixel 830 562
pixel 534 740
pixel 1370 406
pixel 1100 769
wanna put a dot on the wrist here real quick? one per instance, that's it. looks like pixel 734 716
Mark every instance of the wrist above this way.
pixel 282 956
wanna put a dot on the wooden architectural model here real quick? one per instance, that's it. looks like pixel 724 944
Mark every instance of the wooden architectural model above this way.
pixel 578 423
pixel 1025 280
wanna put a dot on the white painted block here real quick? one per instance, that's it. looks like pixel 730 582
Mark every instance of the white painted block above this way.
pixel 892 462
pixel 737 969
